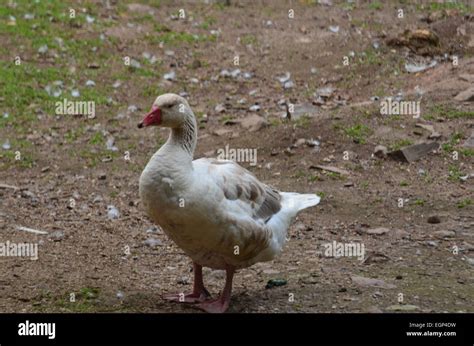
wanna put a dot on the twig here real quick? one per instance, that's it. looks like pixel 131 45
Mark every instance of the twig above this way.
pixel 31 230
pixel 5 186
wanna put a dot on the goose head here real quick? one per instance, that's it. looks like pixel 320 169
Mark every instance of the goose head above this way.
pixel 168 110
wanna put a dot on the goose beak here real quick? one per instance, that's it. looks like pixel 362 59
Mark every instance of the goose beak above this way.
pixel 152 118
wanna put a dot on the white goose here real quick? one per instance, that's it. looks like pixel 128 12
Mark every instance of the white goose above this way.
pixel 215 210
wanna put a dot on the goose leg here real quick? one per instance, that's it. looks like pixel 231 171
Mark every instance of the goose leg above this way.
pixel 220 304
pixel 199 293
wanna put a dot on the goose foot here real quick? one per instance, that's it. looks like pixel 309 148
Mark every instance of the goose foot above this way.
pixel 199 294
pixel 220 304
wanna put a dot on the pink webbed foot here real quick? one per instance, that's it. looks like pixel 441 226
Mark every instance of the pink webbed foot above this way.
pixel 216 306
pixel 199 294
pixel 188 298
pixel 220 304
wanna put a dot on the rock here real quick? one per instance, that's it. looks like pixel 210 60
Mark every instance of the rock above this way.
pixel 470 260
pixel 152 242
pixel 183 281
pixel 102 176
pixel 325 92
pixel 288 85
pixel 420 41
pixel 466 95
pixel 378 231
pixel 331 169
pixel 380 151
pixel 152 229
pixel 220 108
pixel 27 194
pixel 302 109
pixel 6 145
pixel 434 135
pixel 253 122
pixel 402 307
pixel 375 257
pixel 285 78
pixel 275 283
pixel 348 184
pixel 302 227
pixel 415 68
pixel 299 142
pixel 254 108
pixel 469 143
pixel 368 282
pixel 427 127
pixel 112 212
pixel 445 234
pixel 171 76
pixel 433 219
pixel 221 132
pixel 270 272
pixel 413 152
pixel 56 236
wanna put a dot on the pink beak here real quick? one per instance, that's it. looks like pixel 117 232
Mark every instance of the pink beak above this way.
pixel 152 118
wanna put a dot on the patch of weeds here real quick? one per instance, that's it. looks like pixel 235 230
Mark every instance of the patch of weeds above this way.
pixel 358 133
pixel 443 111
pixel 302 121
pixel 371 57
pixel 375 5
pixel 334 175
pixel 453 141
pixel 364 185
pixel 455 174
pixel 447 5
pixel 208 23
pixel 73 134
pixel 248 39
pixel 464 203
pixel 404 183
pixel 274 121
pixel 467 152
pixel 23 85
pixel 419 201
pixel 97 138
pixel 299 174
pixel 226 118
pixel 314 177
pixel 321 194
pixel 400 144
pixel 175 38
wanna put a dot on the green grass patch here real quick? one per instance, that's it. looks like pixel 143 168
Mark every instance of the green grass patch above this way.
pixel 455 173
pixel 443 111
pixel 464 203
pixel 248 39
pixel 400 144
pixel 375 5
pixel 358 133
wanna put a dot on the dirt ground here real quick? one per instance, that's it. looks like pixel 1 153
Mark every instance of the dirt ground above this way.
pixel 343 57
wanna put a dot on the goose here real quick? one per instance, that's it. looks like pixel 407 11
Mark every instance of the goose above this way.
pixel 217 212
